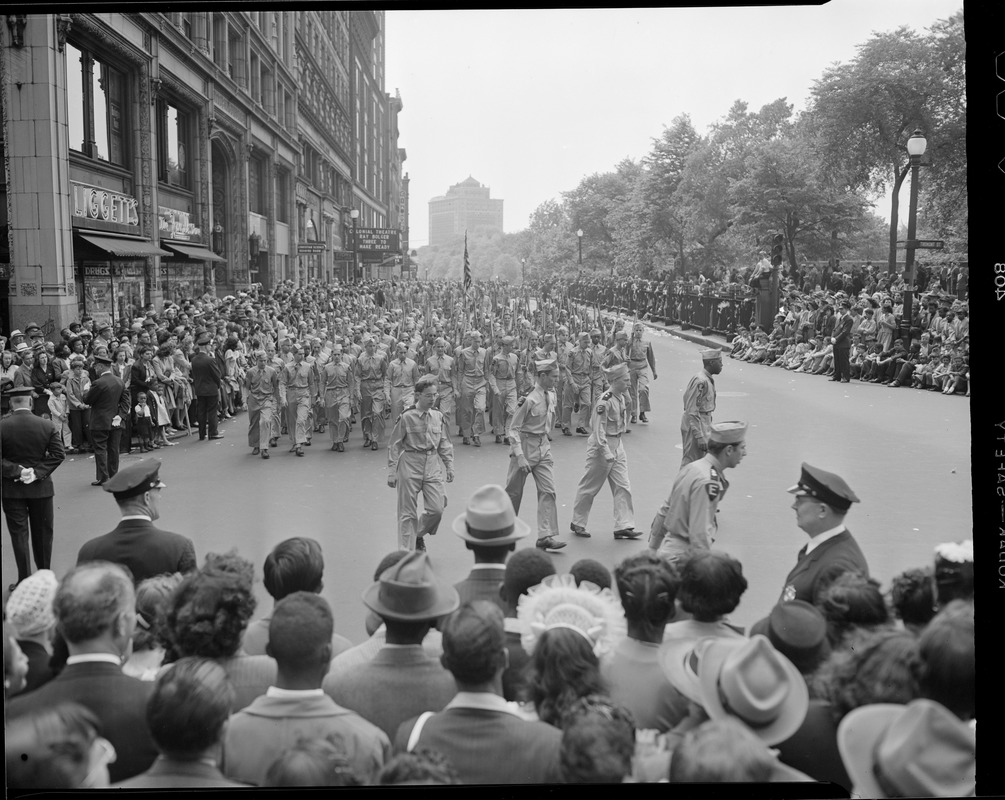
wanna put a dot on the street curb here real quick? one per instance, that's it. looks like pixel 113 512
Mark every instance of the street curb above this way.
pixel 689 336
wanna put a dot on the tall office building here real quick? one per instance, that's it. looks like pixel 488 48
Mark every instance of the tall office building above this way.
pixel 465 207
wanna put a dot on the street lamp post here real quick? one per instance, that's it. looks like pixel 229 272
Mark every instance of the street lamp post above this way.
pixel 916 149
pixel 579 234
pixel 355 245
pixel 523 271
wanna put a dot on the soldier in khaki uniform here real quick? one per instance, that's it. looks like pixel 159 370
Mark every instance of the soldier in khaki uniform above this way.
pixel 470 367
pixel 442 366
pixel 502 380
pixel 418 443
pixel 261 383
pixel 372 379
pixel 297 388
pixel 578 386
pixel 699 403
pixel 606 460
pixel 686 521
pixel 336 394
pixel 597 372
pixel 640 360
pixel 403 374
pixel 530 453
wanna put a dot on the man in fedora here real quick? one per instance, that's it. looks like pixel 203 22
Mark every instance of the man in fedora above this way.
pixel 822 501
pixel 109 406
pixel 530 452
pixel 135 542
pixel 490 530
pixel 402 680
pixel 699 403
pixel 606 461
pixel 206 379
pixel 417 445
pixel 485 738
pixel 32 450
pixel 687 520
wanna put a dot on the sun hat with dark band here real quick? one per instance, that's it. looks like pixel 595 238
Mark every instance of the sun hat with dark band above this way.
pixel 824 486
pixel 489 519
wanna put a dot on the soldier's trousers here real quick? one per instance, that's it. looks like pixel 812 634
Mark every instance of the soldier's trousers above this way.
pixel 537 450
pixel 371 409
pixel 615 473
pixel 337 414
pixel 503 406
pixel 401 398
pixel 576 391
pixel 639 389
pixel 260 421
pixel 471 410
pixel 298 415
pixel 419 472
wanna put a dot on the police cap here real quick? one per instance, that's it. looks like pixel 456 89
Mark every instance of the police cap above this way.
pixel 135 479
pixel 824 486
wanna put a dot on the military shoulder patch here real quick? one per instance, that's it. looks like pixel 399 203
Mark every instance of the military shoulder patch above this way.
pixel 521 401
pixel 606 396
pixel 712 489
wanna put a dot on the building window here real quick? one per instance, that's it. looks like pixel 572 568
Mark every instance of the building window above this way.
pixel 186 25
pixel 173 140
pixel 96 100
pixel 283 196
pixel 257 186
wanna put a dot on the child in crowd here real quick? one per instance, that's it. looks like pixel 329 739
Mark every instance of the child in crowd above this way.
pixel 59 413
pixel 740 344
pixel 955 380
pixel 789 350
pixel 921 379
pixel 144 423
pixel 940 373
pixel 870 361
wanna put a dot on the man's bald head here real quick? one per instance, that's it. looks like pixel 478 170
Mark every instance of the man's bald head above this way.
pixel 90 600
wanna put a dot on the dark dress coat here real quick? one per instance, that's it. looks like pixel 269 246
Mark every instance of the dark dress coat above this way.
pixel 482 584
pixel 144 549
pixel 107 398
pixel 206 375
pixel 815 571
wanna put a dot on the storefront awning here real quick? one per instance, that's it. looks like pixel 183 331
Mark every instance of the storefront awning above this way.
pixel 124 247
pixel 193 251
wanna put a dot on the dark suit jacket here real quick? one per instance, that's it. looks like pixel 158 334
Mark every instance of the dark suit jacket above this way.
pixel 117 700
pixel 397 684
pixel 29 441
pixel 813 749
pixel 842 332
pixel 206 375
pixel 141 379
pixel 107 397
pixel 482 584
pixel 39 671
pixel 816 570
pixel 488 746
pixel 144 549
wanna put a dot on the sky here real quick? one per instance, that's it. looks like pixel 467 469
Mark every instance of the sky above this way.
pixel 530 102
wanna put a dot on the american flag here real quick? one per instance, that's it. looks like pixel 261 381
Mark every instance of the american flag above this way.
pixel 467 265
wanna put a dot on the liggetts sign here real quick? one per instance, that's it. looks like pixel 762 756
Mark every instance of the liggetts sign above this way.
pixel 93 202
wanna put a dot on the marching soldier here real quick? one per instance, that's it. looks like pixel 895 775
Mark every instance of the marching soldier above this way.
pixel 336 394
pixel 297 389
pixel 578 387
pixel 418 443
pixel 471 369
pixel 699 403
pixel 640 360
pixel 686 522
pixel 502 379
pixel 442 366
pixel 597 372
pixel 606 460
pixel 530 453
pixel 261 384
pixel 403 373
pixel 372 379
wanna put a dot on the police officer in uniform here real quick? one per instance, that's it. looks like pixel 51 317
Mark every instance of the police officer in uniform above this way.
pixel 699 403
pixel 418 443
pixel 530 453
pixel 606 460
pixel 822 501
pixel 686 521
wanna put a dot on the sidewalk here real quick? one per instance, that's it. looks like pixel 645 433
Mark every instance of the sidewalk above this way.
pixel 690 335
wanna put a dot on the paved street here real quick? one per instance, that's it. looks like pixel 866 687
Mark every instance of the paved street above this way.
pixel 905 453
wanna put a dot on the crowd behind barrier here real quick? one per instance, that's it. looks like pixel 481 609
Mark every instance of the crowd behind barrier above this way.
pixel 628 671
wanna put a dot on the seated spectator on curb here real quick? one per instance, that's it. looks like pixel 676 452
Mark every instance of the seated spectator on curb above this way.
pixel 57 747
pixel 377 631
pixel 915 750
pixel 478 724
pixel 294 565
pixel 647 587
pixel 598 742
pixel 912 597
pixel 948 661
pixel 95 613
pixel 402 680
pixel 525 569
pixel 29 611
pixel 419 767
pixel 208 614
pixel 152 599
pixel 295 707
pixel 311 762
pixel 187 715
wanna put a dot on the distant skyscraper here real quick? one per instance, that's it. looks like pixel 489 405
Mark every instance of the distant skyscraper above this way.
pixel 465 206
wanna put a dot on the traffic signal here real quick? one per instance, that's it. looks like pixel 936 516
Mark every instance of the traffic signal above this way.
pixel 777 245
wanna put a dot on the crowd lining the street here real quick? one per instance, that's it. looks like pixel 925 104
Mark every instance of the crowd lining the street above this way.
pixel 630 671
